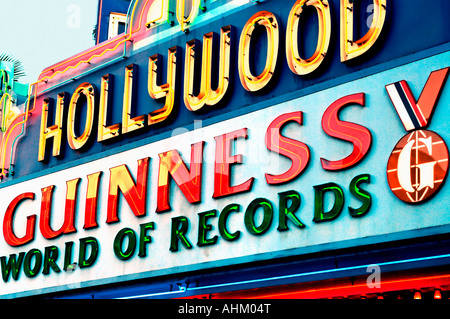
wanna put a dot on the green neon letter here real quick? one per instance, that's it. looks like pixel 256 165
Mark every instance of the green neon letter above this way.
pixel 204 228
pixel 84 262
pixel 144 239
pixel 51 253
pixel 13 266
pixel 249 217
pixel 68 255
pixel 32 272
pixel 360 194
pixel 180 227
pixel 287 212
pixel 320 190
pixel 118 244
pixel 223 218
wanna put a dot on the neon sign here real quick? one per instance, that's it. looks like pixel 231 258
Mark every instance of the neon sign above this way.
pixel 259 216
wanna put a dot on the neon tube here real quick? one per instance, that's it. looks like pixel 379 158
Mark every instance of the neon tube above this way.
pixel 249 81
pixel 163 2
pixel 348 51
pixel 187 20
pixel 319 272
pixel 306 66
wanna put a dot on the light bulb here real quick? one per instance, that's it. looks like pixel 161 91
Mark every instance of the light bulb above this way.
pixel 417 295
pixel 437 294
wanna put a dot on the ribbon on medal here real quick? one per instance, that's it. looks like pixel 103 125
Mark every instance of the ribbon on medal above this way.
pixel 415 115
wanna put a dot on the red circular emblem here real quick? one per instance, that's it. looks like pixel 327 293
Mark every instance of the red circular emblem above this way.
pixel 417 166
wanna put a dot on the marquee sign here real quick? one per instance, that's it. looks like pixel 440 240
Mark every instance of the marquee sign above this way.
pixel 190 143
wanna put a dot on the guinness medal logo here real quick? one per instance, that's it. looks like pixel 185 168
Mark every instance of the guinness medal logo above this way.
pixel 418 164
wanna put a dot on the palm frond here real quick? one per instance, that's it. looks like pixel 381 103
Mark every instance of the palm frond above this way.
pixel 19 70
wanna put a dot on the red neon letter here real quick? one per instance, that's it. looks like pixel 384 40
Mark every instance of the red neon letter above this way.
pixel 296 151
pixel 69 215
pixel 135 193
pixel 189 182
pixel 223 161
pixel 8 232
pixel 90 212
pixel 358 135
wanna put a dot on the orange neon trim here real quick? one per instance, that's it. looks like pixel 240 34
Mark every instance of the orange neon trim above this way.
pixel 122 39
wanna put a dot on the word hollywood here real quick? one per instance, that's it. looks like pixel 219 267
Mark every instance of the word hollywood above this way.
pixel 99 105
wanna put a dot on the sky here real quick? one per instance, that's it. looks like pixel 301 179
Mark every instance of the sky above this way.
pixel 41 33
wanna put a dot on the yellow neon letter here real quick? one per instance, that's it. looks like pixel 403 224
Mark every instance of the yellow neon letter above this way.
pixel 183 19
pixel 55 130
pixel 105 132
pixel 166 90
pixel 207 95
pixel 130 124
pixel 349 47
pixel 249 81
pixel 296 63
pixel 77 142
